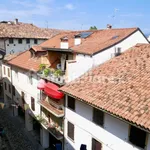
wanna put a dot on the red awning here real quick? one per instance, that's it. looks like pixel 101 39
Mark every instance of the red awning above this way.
pixel 52 91
pixel 41 84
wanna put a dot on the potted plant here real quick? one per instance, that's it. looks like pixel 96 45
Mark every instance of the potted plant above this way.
pixel 46 72
pixel 58 73
pixel 42 67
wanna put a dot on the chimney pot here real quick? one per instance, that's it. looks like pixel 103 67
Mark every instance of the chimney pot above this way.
pixel 16 21
pixel 109 26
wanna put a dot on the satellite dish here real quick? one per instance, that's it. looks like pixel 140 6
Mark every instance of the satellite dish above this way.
pixel 58 66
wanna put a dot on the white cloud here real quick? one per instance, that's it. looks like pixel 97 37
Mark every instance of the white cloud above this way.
pixel 69 6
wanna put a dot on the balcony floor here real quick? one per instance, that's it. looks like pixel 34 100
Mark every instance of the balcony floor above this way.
pixel 52 109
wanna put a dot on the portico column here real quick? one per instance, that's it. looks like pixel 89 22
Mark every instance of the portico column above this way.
pixel 28 121
pixel 44 138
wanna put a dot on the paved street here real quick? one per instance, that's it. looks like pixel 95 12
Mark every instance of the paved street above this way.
pixel 18 137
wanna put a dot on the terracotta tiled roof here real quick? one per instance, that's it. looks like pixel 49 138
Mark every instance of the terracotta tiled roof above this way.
pixel 120 86
pixel 8 57
pixel 24 60
pixel 37 48
pixel 97 41
pixel 25 30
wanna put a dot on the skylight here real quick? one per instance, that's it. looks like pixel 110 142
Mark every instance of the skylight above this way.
pixel 84 34
pixel 115 37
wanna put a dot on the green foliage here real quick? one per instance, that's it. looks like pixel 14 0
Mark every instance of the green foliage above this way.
pixel 93 28
pixel 46 71
pixel 58 73
pixel 42 66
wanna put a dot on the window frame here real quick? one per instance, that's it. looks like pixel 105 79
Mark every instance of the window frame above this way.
pixel 30 77
pixel 20 41
pixel 11 40
pixel 27 41
pixel 8 72
pixel 35 41
pixel 71 137
pixel 129 136
pixel 73 108
pixel 93 144
pixel 32 103
pixel 14 90
pixel 4 68
pixel 95 120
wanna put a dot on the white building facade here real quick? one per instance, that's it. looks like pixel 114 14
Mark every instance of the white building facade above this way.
pixel 24 94
pixel 109 134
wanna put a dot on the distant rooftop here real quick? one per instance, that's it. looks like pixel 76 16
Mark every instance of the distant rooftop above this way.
pixel 16 29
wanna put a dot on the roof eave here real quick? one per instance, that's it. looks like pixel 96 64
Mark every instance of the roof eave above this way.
pixel 109 113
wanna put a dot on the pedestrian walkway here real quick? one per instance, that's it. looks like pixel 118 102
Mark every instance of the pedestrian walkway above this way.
pixel 18 136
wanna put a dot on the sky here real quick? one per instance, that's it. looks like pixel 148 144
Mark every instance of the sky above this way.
pixel 79 14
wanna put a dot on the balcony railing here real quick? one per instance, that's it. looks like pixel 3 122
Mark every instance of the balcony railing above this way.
pixel 53 128
pixel 58 79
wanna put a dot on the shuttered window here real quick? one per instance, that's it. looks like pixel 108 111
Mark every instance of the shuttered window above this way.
pixel 4 71
pixel 98 117
pixel 96 145
pixel 8 72
pixel 14 91
pixel 71 103
pixel 32 104
pixel 70 130
pixel 137 137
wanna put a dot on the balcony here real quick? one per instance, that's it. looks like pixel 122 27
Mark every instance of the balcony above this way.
pixel 53 106
pixel 52 123
pixel 56 67
pixel 56 76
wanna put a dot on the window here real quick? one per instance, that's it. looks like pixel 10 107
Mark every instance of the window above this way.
pixel 14 90
pixel 11 41
pixel 137 137
pixel 28 41
pixel 16 75
pixel 71 103
pixel 30 79
pixel 96 145
pixel 5 86
pixel 35 41
pixel 70 130
pixel 9 88
pixel 8 72
pixel 22 97
pixel 4 70
pixel 98 117
pixel 20 41
pixel 117 51
pixel 32 104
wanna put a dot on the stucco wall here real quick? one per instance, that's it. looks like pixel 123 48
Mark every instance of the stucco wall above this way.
pixel 22 83
pixel 16 47
pixel 86 62
pixel 113 136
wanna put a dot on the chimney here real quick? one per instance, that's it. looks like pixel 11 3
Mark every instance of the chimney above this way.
pixel 109 26
pixel 64 43
pixel 16 21
pixel 77 39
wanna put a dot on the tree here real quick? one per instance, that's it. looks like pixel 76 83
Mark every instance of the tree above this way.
pixel 93 28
